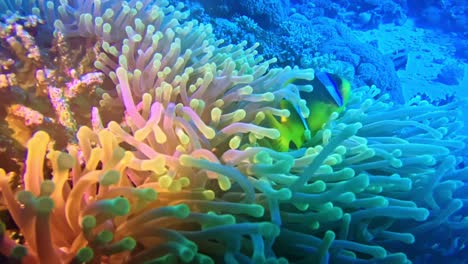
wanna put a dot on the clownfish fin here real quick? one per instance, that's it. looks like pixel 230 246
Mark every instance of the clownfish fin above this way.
pixel 331 87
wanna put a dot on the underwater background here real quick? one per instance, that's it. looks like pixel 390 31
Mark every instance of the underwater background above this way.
pixel 222 131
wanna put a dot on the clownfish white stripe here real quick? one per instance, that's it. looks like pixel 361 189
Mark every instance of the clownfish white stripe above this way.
pixel 331 87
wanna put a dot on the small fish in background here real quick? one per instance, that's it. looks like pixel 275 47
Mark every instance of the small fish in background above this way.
pixel 330 94
pixel 399 59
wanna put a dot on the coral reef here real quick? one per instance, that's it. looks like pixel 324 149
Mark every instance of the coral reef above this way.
pixel 268 13
pixel 311 41
pixel 43 85
pixel 296 39
pixel 171 167
pixel 447 15
pixel 451 74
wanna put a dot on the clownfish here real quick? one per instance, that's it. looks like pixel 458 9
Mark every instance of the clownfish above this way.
pixel 330 94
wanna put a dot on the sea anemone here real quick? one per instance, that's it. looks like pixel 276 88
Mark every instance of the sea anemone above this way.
pixel 183 177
